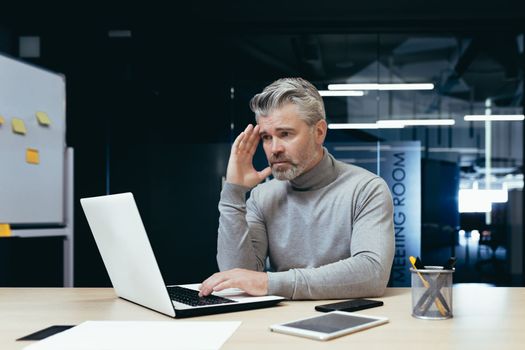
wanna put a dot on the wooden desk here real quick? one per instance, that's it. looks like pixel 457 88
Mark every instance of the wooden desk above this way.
pixel 484 318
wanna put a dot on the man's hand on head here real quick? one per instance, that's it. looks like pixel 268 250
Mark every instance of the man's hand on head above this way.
pixel 252 282
pixel 240 165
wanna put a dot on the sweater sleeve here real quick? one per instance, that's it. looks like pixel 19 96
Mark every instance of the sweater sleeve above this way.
pixel 366 272
pixel 242 241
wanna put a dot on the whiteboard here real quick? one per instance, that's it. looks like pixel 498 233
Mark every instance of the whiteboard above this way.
pixel 31 193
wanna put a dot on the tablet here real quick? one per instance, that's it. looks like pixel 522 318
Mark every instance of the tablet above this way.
pixel 330 325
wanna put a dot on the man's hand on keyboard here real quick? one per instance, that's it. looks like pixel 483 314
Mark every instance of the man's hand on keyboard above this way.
pixel 252 282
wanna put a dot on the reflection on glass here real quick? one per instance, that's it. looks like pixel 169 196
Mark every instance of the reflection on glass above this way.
pixel 469 124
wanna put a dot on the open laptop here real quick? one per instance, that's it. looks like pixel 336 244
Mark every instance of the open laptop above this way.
pixel 127 254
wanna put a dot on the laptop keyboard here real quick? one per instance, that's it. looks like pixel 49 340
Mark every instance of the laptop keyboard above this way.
pixel 191 297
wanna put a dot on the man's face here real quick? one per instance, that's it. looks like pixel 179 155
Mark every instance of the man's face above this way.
pixel 291 146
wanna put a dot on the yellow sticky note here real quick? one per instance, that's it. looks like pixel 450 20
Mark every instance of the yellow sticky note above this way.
pixel 43 118
pixel 5 230
pixel 32 156
pixel 18 126
pixel 2 120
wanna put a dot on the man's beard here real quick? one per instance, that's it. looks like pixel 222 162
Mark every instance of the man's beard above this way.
pixel 288 174
pixel 296 167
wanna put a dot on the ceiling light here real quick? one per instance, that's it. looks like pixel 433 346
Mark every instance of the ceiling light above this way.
pixel 417 122
pixel 392 124
pixel 341 93
pixel 410 86
pixel 352 126
pixel 365 126
pixel 500 117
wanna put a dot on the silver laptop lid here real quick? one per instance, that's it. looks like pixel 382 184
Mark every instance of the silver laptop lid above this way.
pixel 126 251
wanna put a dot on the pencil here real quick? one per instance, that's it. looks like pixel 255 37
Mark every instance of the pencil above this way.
pixel 440 306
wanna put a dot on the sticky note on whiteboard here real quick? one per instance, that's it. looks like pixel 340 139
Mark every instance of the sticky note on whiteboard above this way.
pixel 5 230
pixel 2 120
pixel 43 118
pixel 32 156
pixel 18 126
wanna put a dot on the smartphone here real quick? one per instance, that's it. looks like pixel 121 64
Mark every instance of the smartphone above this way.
pixel 349 305
pixel 331 325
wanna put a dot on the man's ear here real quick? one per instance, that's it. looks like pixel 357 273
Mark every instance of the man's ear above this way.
pixel 320 131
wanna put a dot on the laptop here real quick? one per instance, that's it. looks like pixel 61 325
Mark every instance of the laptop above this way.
pixel 133 270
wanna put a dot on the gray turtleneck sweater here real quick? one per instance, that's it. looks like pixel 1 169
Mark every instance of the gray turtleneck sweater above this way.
pixel 328 233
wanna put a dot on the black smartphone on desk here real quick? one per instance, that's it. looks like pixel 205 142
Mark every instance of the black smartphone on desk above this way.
pixel 349 305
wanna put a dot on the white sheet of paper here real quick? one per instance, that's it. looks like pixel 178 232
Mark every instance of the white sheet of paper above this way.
pixel 130 335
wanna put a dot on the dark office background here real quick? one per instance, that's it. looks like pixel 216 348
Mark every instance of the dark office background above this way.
pixel 152 113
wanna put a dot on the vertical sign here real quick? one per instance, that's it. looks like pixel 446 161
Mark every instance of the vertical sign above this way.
pixel 400 167
pixel 399 164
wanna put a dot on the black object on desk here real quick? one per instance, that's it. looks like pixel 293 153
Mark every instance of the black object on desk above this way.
pixel 349 305
pixel 46 332
pixel 450 263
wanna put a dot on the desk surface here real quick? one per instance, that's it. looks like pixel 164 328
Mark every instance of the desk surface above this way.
pixel 484 318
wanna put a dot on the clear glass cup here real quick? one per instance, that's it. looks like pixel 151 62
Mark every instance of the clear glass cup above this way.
pixel 432 293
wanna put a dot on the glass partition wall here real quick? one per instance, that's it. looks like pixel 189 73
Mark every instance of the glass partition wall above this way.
pixel 440 117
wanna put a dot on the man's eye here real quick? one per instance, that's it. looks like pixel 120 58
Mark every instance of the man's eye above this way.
pixel 285 134
pixel 266 137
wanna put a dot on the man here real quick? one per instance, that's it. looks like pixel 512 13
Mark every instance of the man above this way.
pixel 326 226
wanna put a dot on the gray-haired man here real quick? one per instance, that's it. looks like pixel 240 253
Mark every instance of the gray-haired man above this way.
pixel 326 226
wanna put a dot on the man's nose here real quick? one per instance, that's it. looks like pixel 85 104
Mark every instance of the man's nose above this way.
pixel 277 146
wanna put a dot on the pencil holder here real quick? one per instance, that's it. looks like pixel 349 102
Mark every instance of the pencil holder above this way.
pixel 432 293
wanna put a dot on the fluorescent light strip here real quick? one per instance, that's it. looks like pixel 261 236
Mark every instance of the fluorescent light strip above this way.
pixel 364 126
pixel 495 117
pixel 341 93
pixel 410 86
pixel 353 126
pixel 416 122
pixel 392 124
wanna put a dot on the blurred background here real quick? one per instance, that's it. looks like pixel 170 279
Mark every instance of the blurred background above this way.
pixel 429 95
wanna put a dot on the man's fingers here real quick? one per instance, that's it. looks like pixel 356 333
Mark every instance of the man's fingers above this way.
pixel 206 289
pixel 237 142
pixel 254 139
pixel 246 143
pixel 208 285
pixel 224 285
pixel 263 174
pixel 252 282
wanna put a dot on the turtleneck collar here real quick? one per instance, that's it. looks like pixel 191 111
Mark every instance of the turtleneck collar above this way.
pixel 319 176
